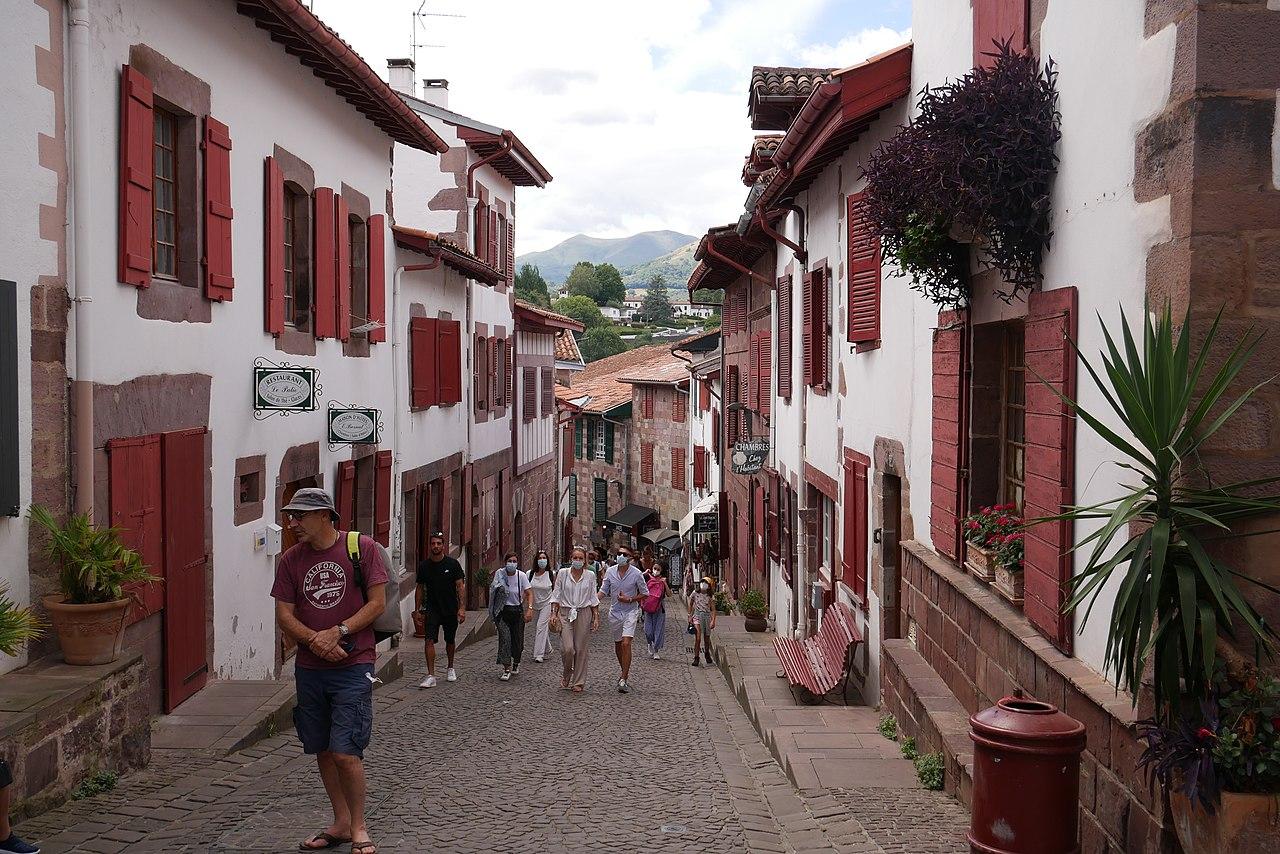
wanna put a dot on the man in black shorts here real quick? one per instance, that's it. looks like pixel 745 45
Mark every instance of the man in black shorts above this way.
pixel 438 601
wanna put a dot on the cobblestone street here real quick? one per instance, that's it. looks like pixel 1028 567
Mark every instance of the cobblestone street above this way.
pixel 483 765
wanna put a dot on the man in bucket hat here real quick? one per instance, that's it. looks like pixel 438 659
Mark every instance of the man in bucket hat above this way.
pixel 320 604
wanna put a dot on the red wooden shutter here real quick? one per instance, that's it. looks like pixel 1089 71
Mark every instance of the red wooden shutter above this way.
pixel 699 467
pixel 821 328
pixel 137 139
pixel 566 449
pixel 342 264
pixel 997 20
pixel 807 328
pixel 186 659
pixel 382 498
pixel 377 239
pixel 345 495
pixel 274 250
pixel 753 373
pixel 855 523
pixel 134 485
pixel 744 418
pixel 423 363
pixel 480 381
pixel 491 376
pixel 449 362
pixel 218 278
pixel 704 394
pixel 530 393
pixel 864 274
pixel 784 337
pixel 772 516
pixel 1050 459
pixel 548 392
pixel 765 392
pixel 677 469
pixel 679 407
pixel 715 432
pixel 511 254
pixel 481 229
pixel 492 257
pixel 948 437
pixel 323 265
pixel 646 462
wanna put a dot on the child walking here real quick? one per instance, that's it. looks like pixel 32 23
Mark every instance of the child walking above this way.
pixel 702 616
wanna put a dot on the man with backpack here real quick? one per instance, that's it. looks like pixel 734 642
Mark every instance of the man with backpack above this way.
pixel 328 602
pixel 438 605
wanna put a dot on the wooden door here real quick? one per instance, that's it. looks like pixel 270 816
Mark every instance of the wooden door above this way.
pixel 186 652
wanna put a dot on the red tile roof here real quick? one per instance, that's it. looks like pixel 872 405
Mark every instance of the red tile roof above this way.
pixel 517 164
pixel 713 272
pixel 760 158
pixel 778 92
pixel 601 380
pixel 536 316
pixel 451 255
pixel 567 347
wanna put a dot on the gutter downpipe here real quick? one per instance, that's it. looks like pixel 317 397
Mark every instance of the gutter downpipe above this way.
pixel 81 204
pixel 711 250
pixel 397 462
pixel 507 142
pixel 795 248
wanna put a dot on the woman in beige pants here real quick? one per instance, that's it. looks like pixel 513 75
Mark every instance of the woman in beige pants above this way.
pixel 575 594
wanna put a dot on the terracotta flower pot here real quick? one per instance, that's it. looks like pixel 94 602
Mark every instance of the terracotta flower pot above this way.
pixel 754 622
pixel 88 634
pixel 1008 583
pixel 1242 824
pixel 980 562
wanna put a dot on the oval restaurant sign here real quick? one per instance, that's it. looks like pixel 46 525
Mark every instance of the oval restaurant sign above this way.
pixel 353 426
pixel 284 389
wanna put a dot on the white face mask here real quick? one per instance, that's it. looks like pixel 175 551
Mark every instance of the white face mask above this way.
pixel 654 572
pixel 576 564
pixel 542 563
pixel 703 587
pixel 511 569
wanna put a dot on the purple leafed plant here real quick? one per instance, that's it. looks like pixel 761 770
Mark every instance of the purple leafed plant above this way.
pixel 976 163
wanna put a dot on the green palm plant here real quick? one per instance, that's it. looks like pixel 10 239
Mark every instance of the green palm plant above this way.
pixel 18 624
pixel 1174 595
pixel 93 564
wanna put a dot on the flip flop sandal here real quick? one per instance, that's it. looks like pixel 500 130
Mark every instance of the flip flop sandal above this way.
pixel 329 840
pixel 364 847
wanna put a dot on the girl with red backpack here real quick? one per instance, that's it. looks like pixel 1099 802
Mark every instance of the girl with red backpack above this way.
pixel 654 607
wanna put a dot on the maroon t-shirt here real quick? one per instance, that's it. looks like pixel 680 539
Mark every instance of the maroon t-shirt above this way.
pixel 322 587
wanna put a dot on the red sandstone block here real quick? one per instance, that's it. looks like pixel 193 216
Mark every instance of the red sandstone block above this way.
pixel 1125 752
pixel 1233 141
pixel 1088 782
pixel 1092 838
pixel 1050 686
pixel 1097 723
pixel 1113 804
pixel 1237 49
pixel 1234 210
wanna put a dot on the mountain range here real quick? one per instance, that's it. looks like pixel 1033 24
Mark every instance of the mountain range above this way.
pixel 676 267
pixel 625 253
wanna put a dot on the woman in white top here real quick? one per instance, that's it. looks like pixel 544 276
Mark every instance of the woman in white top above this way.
pixel 574 593
pixel 541 581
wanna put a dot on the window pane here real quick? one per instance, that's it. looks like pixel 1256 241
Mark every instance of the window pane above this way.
pixel 164 195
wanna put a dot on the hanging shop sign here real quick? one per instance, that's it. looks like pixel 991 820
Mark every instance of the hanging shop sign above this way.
pixel 284 388
pixel 706 523
pixel 353 426
pixel 749 457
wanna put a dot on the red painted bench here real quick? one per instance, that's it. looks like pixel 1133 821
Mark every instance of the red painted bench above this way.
pixel 815 665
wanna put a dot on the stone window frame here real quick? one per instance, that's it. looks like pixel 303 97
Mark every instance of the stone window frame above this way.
pixel 251 510
pixel 295 340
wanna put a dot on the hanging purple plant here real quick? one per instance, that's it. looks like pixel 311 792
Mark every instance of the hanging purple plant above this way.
pixel 974 165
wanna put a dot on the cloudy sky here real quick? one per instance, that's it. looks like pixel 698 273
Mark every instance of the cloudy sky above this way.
pixel 637 109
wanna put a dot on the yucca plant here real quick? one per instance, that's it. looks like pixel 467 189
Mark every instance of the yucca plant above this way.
pixel 18 625
pixel 1174 597
pixel 93 564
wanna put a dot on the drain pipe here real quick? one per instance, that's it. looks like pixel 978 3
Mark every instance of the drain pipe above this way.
pixel 795 248
pixel 507 141
pixel 82 271
pixel 711 250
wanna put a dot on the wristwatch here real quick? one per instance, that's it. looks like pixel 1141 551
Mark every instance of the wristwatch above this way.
pixel 343 630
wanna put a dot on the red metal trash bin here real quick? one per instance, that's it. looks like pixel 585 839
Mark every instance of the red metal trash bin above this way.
pixel 1026 779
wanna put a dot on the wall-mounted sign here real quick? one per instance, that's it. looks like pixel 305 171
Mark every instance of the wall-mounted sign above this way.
pixel 749 457
pixel 353 426
pixel 706 523
pixel 284 389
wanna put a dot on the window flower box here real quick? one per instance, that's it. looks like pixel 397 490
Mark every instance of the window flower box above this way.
pixel 980 562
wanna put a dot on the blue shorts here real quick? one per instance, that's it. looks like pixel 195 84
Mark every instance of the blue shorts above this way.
pixel 334 712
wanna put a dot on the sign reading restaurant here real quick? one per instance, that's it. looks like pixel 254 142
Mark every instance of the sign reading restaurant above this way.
pixel 353 426
pixel 279 389
pixel 750 457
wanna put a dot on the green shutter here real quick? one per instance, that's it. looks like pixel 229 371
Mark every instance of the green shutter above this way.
pixel 577 438
pixel 591 439
pixel 573 493
pixel 601 499
pixel 608 442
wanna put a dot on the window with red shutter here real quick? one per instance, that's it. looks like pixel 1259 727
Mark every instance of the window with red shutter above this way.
pixel 480 230
pixel 744 419
pixel 855 523
pixel 784 337
pixel 423 363
pixel 342 264
pixel 137 139
pixel 807 328
pixel 677 469
pixel 773 526
pixel 548 392
pixel 480 378
pixel 274 247
pixel 997 21
pixel 324 263
pixel 530 381
pixel 382 498
pixel 699 467
pixel 715 432
pixel 492 256
pixel 704 394
pixel 376 230
pixel 753 373
pixel 948 437
pixel 646 462
pixel 763 377
pixel 218 278
pixel 821 328
pixel 511 253
pixel 678 406
pixel 448 362
pixel 864 275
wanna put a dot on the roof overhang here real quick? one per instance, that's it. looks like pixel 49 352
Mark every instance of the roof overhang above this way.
pixel 517 163
pixel 631 516
pixel 530 318
pixel 302 34
pixel 835 115
pixel 777 93
pixel 720 243
pixel 450 255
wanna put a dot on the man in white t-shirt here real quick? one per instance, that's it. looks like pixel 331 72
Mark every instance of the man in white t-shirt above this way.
pixel 625 584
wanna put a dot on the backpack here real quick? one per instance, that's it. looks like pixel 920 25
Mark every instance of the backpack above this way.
pixel 389 622
pixel 653 602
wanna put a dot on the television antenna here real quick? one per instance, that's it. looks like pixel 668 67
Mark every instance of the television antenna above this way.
pixel 418 21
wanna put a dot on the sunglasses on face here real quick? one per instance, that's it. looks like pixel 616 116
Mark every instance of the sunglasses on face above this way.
pixel 295 515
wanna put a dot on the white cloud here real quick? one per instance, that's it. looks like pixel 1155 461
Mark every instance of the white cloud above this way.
pixel 638 110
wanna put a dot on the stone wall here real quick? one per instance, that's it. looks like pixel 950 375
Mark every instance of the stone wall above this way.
pixel 74 722
pixel 963 649
pixel 664 433
pixel 536 500
pixel 586 531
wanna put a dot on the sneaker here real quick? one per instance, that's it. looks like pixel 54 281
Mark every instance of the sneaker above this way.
pixel 452 677
pixel 651 649
pixel 694 663
pixel 537 659
pixel 515 668
pixel 623 687
pixel 14 845
pixel 505 677
pixel 429 682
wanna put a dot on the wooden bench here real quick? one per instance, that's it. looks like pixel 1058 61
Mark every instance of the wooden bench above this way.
pixel 815 665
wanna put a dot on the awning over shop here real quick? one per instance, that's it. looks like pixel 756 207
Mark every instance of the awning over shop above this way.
pixel 630 516
pixel 708 504
pixel 663 538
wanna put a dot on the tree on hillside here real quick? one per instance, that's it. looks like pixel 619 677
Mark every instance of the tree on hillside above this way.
pixel 599 342
pixel 710 297
pixel 531 287
pixel 712 322
pixel 612 291
pixel 583 282
pixel 656 307
pixel 581 309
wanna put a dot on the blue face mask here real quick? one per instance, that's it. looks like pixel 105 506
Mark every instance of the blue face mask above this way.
pixel 542 563
pixel 623 560
pixel 511 569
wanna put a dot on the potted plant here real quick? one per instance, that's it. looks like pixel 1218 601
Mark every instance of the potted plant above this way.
pixel 983 533
pixel 1178 604
pixel 18 624
pixel 753 608
pixel 1008 564
pixel 94 567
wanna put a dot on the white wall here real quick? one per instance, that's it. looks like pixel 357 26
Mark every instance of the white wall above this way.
pixel 536 438
pixel 29 112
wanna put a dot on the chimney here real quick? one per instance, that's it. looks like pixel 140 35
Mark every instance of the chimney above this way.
pixel 400 75
pixel 435 90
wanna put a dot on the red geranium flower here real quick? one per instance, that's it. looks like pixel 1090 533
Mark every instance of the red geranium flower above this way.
pixel 973 525
pixel 1205 732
